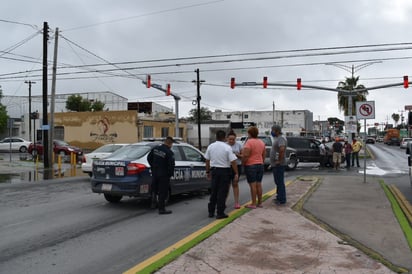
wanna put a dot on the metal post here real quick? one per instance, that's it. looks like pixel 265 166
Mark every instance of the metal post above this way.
pixel 177 118
pixel 364 153
pixel 46 162
pixel 30 83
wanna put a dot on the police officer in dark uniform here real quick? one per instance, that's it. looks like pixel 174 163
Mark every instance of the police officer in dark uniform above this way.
pixel 162 163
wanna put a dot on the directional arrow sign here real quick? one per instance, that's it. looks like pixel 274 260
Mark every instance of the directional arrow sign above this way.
pixel 365 110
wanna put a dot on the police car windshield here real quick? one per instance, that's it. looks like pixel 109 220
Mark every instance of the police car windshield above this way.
pixel 130 152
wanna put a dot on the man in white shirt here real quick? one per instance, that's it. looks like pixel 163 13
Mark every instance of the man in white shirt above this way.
pixel 219 160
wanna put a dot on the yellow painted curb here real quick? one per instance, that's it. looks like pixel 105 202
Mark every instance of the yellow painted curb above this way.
pixel 403 202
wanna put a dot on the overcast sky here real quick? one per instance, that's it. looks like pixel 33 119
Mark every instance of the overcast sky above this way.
pixel 229 38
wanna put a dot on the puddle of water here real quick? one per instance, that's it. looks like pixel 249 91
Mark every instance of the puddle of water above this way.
pixel 38 175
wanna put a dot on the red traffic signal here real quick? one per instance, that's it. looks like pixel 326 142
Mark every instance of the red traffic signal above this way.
pixel 232 83
pixel 168 89
pixel 299 84
pixel 265 82
pixel 148 81
pixel 405 82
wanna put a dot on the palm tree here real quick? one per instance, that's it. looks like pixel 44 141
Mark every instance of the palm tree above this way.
pixel 350 84
pixel 395 117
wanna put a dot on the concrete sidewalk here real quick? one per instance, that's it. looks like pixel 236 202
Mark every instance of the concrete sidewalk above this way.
pixel 278 239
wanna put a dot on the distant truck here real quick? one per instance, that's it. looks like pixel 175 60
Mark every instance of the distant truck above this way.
pixel 392 137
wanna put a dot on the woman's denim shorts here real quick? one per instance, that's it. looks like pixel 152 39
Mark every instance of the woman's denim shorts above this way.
pixel 254 173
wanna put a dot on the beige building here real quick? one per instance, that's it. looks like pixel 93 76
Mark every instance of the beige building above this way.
pixel 89 130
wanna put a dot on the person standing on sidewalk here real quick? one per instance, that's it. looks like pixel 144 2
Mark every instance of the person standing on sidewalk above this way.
pixel 237 150
pixel 348 152
pixel 278 162
pixel 356 147
pixel 337 153
pixel 253 157
pixel 162 162
pixel 323 154
pixel 219 161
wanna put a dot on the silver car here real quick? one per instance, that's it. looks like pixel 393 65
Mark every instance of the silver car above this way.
pixel 99 153
pixel 404 142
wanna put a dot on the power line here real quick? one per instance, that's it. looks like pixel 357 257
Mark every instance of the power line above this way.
pixel 19 23
pixel 22 42
pixel 142 15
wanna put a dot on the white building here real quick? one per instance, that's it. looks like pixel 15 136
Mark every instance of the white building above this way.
pixel 293 122
pixel 18 106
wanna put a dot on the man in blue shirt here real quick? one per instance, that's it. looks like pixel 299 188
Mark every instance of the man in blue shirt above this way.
pixel 162 163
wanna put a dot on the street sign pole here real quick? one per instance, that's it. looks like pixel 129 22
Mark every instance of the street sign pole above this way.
pixel 365 110
pixel 364 153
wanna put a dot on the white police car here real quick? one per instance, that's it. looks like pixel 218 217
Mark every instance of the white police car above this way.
pixel 127 172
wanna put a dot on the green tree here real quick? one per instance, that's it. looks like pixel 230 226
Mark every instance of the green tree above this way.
pixel 350 84
pixel 3 114
pixel 205 114
pixel 395 118
pixel 78 103
pixel 97 106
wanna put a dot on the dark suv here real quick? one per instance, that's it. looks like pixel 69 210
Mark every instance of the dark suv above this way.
pixel 308 151
pixel 291 156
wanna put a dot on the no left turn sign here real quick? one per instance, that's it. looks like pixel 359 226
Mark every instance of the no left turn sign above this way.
pixel 365 110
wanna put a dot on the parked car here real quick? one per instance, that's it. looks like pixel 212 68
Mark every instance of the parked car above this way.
pixel 404 142
pixel 409 152
pixel 99 153
pixel 126 172
pixel 308 151
pixel 291 157
pixel 17 144
pixel 370 140
pixel 59 148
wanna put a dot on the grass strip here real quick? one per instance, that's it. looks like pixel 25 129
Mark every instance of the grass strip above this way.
pixel 400 216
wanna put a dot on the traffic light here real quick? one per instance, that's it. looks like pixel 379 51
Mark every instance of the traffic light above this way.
pixel 168 89
pixel 148 81
pixel 405 82
pixel 232 83
pixel 299 84
pixel 265 82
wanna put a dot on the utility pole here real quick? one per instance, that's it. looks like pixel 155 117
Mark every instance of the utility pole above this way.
pixel 198 98
pixel 273 113
pixel 30 83
pixel 53 95
pixel 46 162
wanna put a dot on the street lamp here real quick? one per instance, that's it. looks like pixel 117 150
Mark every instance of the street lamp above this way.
pixel 352 69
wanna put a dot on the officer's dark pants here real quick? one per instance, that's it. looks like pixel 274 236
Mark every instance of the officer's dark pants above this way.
pixel 220 189
pixel 160 187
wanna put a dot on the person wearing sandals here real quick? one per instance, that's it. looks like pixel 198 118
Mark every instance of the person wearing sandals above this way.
pixel 253 155
pixel 278 162
pixel 237 150
pixel 219 161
